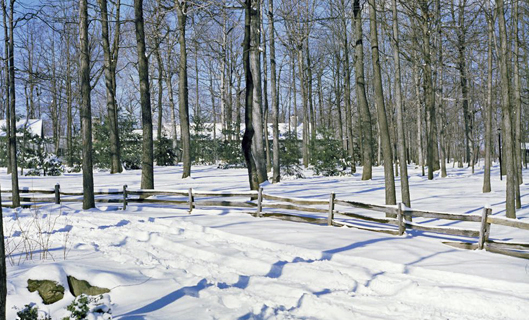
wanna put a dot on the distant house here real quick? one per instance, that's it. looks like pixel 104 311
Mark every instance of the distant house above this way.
pixel 214 131
pixel 32 125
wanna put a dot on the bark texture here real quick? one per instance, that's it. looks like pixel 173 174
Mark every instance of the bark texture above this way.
pixel 86 108
pixel 367 131
pixel 147 159
pixel 389 177
pixel 508 154
pixel 183 90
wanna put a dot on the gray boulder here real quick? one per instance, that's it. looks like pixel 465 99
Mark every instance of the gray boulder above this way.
pixel 78 287
pixel 49 291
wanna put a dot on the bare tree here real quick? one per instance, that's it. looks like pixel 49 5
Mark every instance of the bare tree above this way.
pixel 274 93
pixel 366 129
pixel 12 102
pixel 111 61
pixel 252 142
pixel 488 110
pixel 517 96
pixel 147 159
pixel 404 184
pixel 431 141
pixel 86 108
pixel 183 95
pixel 385 139
pixel 510 205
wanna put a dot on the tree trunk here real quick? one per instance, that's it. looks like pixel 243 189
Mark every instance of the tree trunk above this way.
pixel 160 93
pixel 111 57
pixel 266 109
pixel 508 153
pixel 275 97
pixel 12 112
pixel 312 117
pixel 463 81
pixel 249 132
pixel 7 84
pixel 488 107
pixel 69 101
pixel 169 83
pixel 258 151
pixel 347 93
pixel 420 151
pixel 404 184
pixel 440 81
pixel 389 177
pixel 303 89
pixel 147 159
pixel 365 126
pixel 431 140
pixel 86 108
pixel 517 114
pixel 183 90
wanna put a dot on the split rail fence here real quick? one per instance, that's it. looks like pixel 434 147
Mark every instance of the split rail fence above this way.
pixel 396 219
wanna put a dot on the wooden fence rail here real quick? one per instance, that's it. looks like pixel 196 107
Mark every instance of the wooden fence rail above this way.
pixel 395 216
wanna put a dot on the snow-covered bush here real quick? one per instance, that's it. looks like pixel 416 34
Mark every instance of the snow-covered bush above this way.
pixel 33 156
pixel 90 307
pixel 52 166
pixel 31 312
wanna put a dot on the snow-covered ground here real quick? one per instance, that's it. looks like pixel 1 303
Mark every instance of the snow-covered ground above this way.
pixel 162 263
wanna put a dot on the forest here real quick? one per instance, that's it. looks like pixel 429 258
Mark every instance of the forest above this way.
pixel 268 85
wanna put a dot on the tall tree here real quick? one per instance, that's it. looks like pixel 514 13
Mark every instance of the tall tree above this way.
pixel 274 93
pixel 252 142
pixel 508 154
pixel 69 96
pixel 431 141
pixel 111 61
pixel 347 79
pixel 183 90
pixel 12 104
pixel 463 78
pixel 517 96
pixel 147 159
pixel 258 149
pixel 7 84
pixel 366 128
pixel 86 108
pixel 385 139
pixel 488 107
pixel 404 184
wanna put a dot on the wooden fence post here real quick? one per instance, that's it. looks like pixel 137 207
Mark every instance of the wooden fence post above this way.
pixel 259 202
pixel 400 218
pixel 191 200
pixel 57 194
pixel 331 209
pixel 484 228
pixel 124 197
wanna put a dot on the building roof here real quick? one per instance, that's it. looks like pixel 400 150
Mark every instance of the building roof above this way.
pixel 33 125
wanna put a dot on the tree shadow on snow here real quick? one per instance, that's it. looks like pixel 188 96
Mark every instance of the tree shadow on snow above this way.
pixel 192 291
